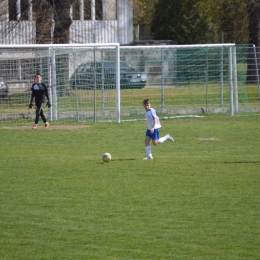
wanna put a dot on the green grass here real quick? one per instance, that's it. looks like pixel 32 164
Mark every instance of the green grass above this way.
pixel 189 96
pixel 198 199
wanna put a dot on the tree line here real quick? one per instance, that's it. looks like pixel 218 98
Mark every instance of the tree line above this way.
pixel 205 21
pixel 201 21
pixel 183 21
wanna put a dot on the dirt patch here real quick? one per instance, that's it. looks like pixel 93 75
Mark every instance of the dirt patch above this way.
pixel 52 127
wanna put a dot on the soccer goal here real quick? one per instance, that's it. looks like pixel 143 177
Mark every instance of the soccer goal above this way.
pixel 107 82
pixel 81 88
pixel 185 79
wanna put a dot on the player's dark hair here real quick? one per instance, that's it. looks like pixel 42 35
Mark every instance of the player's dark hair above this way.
pixel 38 73
pixel 146 101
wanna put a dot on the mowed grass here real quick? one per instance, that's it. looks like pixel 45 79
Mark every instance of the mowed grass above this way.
pixel 174 97
pixel 198 199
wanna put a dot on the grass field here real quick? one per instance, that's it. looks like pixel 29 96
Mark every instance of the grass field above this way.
pixel 177 98
pixel 198 199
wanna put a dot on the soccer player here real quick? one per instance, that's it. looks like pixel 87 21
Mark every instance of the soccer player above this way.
pixel 38 92
pixel 152 132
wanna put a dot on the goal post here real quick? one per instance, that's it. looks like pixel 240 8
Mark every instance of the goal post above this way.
pixel 68 71
pixel 185 71
pixel 107 82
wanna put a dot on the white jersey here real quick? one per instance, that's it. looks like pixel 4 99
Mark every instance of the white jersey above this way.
pixel 150 117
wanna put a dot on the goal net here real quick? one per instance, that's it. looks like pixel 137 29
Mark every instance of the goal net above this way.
pixel 107 82
pixel 185 79
pixel 79 89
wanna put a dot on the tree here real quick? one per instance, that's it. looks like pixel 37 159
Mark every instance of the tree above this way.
pixel 201 21
pixel 142 17
pixel 44 13
pixel 143 10
pixel 253 10
pixel 43 20
pixel 227 20
pixel 181 21
pixel 61 10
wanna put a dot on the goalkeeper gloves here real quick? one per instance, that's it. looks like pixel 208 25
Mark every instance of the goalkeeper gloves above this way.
pixel 30 105
pixel 48 104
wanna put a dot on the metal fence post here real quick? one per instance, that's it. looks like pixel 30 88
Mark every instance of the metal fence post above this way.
pixel 257 74
pixel 117 84
pixel 234 73
pixel 54 92
pixel 50 83
pixel 230 81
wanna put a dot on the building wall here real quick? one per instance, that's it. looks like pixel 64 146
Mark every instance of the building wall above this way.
pixel 94 31
pixel 3 12
pixel 13 32
pixel 115 26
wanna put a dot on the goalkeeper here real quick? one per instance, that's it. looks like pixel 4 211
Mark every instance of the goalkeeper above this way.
pixel 38 93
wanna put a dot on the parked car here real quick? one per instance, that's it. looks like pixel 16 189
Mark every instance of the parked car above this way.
pixel 3 89
pixel 102 74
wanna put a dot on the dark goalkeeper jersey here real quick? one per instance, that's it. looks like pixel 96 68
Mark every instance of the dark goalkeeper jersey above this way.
pixel 39 91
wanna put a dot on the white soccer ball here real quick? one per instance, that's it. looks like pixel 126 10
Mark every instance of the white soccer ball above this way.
pixel 106 157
